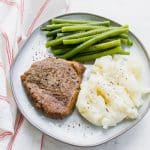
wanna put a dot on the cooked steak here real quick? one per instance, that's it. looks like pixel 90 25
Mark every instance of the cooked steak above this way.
pixel 53 85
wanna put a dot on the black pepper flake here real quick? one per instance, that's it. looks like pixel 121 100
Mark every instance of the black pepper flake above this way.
pixel 107 110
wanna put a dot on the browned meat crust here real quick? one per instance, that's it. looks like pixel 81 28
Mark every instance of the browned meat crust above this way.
pixel 53 85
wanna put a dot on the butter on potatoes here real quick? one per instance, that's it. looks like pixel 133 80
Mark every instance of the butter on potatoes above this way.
pixel 111 93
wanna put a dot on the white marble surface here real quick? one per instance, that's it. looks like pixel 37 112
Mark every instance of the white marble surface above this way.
pixel 136 14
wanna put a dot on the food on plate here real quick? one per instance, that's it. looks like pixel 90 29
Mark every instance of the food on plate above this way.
pixel 112 92
pixel 116 50
pixel 58 21
pixel 53 85
pixel 97 48
pixel 79 39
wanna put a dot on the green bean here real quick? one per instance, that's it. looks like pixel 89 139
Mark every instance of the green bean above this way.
pixel 60 35
pixel 54 26
pixel 77 35
pixel 57 21
pixel 43 29
pixel 95 52
pixel 59 51
pixel 124 41
pixel 50 27
pixel 54 32
pixel 123 53
pixel 84 28
pixel 50 38
pixel 130 42
pixel 94 40
pixel 76 41
pixel 97 55
pixel 95 48
pixel 103 23
pixel 124 36
pixel 103 46
pixel 57 26
pixel 78 28
pixel 127 42
pixel 65 34
pixel 62 46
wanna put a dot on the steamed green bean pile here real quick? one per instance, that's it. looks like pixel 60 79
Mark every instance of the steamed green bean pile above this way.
pixel 85 40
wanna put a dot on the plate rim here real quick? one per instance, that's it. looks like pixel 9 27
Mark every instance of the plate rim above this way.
pixel 52 136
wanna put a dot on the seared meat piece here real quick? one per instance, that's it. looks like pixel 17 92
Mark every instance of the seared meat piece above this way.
pixel 53 85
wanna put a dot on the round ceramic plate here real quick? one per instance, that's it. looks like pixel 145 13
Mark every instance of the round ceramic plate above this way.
pixel 74 129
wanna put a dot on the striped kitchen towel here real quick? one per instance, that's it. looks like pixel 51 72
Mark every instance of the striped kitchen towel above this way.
pixel 18 18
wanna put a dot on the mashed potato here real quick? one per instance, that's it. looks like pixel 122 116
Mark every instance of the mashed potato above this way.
pixel 112 92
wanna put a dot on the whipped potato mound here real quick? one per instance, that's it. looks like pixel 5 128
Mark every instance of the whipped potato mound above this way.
pixel 112 92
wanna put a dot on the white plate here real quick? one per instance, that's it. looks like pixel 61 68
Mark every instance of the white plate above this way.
pixel 73 129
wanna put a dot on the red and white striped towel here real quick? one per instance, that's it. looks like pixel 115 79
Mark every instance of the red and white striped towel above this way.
pixel 18 18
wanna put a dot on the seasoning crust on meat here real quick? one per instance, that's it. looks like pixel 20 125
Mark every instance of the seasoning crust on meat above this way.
pixel 53 85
